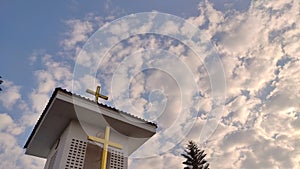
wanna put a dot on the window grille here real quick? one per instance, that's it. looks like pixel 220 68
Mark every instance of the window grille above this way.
pixel 117 160
pixel 76 154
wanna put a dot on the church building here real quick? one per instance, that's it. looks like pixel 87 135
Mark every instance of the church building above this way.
pixel 74 132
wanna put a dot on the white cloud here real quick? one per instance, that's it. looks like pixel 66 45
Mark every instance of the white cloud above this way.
pixel 10 94
pixel 157 162
pixel 55 74
pixel 79 33
pixel 14 124
pixel 260 52
pixel 8 125
pixel 12 156
pixel 260 119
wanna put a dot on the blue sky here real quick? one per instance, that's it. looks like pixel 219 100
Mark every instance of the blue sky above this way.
pixel 223 73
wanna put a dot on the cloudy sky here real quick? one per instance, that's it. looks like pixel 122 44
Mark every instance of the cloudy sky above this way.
pixel 223 73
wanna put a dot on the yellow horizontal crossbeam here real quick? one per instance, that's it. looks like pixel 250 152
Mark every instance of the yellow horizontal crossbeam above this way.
pixel 105 143
pixel 100 140
pixel 97 94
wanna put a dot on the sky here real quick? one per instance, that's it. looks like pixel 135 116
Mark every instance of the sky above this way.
pixel 223 73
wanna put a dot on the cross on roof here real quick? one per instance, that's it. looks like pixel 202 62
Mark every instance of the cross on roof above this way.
pixel 105 143
pixel 97 94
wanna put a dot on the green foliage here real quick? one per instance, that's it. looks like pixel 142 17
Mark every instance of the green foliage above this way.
pixel 1 81
pixel 194 157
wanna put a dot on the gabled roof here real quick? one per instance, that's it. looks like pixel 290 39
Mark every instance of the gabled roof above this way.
pixel 104 105
pixel 61 108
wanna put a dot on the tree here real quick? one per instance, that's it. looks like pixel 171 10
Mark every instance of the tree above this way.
pixel 1 83
pixel 194 157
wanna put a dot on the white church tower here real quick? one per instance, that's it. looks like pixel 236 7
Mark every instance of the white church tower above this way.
pixel 76 133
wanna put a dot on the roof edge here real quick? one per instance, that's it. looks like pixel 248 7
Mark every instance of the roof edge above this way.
pixel 41 117
pixel 78 96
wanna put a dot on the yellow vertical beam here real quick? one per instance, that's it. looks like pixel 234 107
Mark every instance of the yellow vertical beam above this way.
pixel 105 143
pixel 97 93
pixel 105 148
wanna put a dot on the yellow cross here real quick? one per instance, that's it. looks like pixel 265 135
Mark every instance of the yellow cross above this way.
pixel 105 143
pixel 97 94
